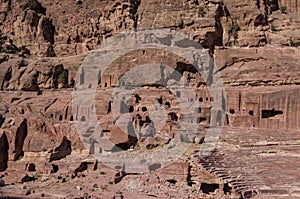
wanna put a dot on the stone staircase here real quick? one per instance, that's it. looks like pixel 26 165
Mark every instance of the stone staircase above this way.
pixel 241 182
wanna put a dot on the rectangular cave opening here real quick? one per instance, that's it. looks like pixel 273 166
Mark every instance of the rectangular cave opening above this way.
pixel 201 119
pixel 209 188
pixel 270 113
pixel 106 131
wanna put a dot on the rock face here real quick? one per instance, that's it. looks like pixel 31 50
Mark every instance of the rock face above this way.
pixel 41 24
pixel 272 110
pixel 254 45
pixel 291 6
pixel 20 75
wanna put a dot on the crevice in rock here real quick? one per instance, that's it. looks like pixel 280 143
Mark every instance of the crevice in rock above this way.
pixel 134 10
pixel 48 30
pixel 48 106
pixel 227 188
pixel 50 51
pixel 257 4
pixel 55 168
pixel 21 135
pixel 7 77
pixel 189 176
pixel 218 41
pixel 2 119
pixel 4 146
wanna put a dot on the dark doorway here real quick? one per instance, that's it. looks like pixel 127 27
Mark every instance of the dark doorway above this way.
pixel 270 113
pixel 207 188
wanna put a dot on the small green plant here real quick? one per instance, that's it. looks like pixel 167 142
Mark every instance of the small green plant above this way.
pixel 234 31
pixel 37 175
pixel 235 35
pixel 110 182
pixel 143 161
pixel 20 157
pixel 2 50
pixel 201 11
pixel 161 145
pixel 137 146
pixel 95 185
pixel 283 9
pixel 235 26
pixel 104 188
pixel 291 42
pixel 23 47
pixel 6 12
pixel 63 77
pixel 102 173
pixel 273 28
pixel 184 138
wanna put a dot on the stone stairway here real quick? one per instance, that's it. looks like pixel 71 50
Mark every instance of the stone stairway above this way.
pixel 242 183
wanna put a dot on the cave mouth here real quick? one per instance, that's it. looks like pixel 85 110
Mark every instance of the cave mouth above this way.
pixel 21 134
pixel 172 181
pixel 227 189
pixel 2 119
pixel 64 149
pixel 131 109
pixel 173 116
pixel 4 146
pixel 270 113
pixel 31 167
pixel 207 188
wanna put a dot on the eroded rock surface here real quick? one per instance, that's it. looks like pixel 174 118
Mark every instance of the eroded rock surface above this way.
pixel 255 47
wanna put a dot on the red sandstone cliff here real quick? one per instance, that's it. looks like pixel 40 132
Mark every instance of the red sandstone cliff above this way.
pixel 254 45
